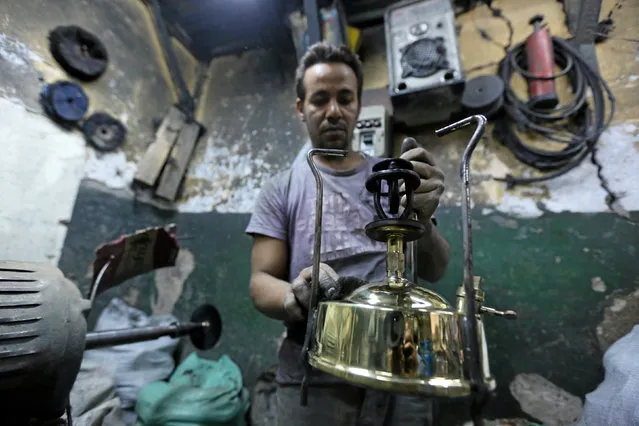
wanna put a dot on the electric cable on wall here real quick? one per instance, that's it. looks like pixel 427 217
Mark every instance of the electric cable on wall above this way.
pixel 577 124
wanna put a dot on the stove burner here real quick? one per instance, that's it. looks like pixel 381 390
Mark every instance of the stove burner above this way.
pixel 423 57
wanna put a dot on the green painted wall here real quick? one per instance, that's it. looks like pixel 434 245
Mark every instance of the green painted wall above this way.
pixel 540 267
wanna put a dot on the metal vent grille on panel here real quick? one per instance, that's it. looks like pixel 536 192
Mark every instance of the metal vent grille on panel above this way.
pixel 426 78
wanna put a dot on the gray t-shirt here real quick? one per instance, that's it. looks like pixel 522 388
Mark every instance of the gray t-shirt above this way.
pixel 285 209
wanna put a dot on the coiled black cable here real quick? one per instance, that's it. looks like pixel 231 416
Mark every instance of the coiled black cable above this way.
pixel 577 124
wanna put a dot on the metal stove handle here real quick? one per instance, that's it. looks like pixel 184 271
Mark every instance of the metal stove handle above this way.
pixel 471 336
pixel 312 304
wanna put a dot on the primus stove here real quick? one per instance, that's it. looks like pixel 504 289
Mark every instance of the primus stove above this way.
pixel 395 335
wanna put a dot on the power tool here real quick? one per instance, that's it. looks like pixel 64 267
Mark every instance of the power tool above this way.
pixel 43 327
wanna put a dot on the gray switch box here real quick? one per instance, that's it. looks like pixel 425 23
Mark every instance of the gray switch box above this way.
pixel 372 132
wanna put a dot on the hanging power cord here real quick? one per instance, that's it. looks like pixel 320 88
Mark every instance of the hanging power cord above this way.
pixel 577 124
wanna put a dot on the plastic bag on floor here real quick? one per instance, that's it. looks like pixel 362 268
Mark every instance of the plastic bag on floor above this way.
pixel 133 365
pixel 200 392
pixel 615 402
pixel 93 398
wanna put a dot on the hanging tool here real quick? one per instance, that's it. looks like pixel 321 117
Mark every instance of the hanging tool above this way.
pixel 540 61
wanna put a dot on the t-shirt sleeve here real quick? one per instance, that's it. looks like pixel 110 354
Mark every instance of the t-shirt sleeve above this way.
pixel 269 216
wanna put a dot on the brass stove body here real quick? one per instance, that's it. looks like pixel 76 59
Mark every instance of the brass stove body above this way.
pixel 404 339
pixel 396 335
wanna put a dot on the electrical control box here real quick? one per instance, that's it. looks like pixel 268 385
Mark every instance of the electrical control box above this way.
pixel 372 132
pixel 426 76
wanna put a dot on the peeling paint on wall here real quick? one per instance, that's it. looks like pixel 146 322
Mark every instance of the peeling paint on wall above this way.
pixel 579 190
pixel 619 316
pixel 42 167
pixel 169 283
pixel 16 53
pixel 226 179
pixel 111 169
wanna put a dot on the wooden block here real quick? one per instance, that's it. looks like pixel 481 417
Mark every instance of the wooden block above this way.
pixel 178 162
pixel 150 167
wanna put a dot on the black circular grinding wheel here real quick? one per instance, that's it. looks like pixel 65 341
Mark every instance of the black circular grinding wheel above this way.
pixel 64 102
pixel 483 95
pixel 204 338
pixel 410 230
pixel 79 52
pixel 104 132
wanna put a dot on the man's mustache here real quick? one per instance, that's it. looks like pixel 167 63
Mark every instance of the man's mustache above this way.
pixel 333 127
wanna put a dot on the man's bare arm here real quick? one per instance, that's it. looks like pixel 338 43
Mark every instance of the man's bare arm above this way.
pixel 268 288
pixel 433 254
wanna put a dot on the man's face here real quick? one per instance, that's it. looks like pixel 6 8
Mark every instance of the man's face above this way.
pixel 331 107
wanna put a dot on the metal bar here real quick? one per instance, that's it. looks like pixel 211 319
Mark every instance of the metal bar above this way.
pixel 312 21
pixel 317 246
pixel 185 100
pixel 412 255
pixel 96 284
pixel 100 339
pixel 202 76
pixel 583 21
pixel 471 336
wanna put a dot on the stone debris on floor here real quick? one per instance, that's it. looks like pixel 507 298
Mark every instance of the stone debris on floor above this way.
pixel 546 402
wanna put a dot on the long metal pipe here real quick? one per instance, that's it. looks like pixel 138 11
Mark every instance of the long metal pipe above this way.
pixel 317 247
pixel 100 339
pixel 185 99
pixel 471 335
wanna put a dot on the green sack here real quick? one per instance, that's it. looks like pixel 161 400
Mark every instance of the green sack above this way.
pixel 200 392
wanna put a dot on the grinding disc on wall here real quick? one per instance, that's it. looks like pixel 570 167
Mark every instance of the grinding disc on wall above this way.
pixel 80 53
pixel 104 132
pixel 64 102
pixel 484 95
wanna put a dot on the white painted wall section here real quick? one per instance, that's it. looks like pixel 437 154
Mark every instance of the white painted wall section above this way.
pixel 40 173
pixel 579 191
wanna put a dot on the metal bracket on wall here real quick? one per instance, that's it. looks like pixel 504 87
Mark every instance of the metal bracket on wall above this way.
pixel 583 21
pixel 312 21
pixel 313 24
pixel 186 102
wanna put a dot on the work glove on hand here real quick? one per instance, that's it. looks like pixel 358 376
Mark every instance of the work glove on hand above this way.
pixel 426 197
pixel 297 300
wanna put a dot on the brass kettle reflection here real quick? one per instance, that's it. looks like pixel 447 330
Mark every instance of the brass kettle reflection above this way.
pixel 395 335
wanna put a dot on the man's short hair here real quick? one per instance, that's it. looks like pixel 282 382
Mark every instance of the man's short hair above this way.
pixel 325 53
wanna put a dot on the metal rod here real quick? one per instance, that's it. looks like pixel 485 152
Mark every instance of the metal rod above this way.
pixel 471 335
pixel 412 255
pixel 186 101
pixel 314 30
pixel 100 339
pixel 96 284
pixel 317 246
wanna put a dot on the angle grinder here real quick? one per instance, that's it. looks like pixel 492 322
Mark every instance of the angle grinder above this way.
pixel 43 327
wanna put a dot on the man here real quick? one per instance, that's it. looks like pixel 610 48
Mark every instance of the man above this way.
pixel 329 89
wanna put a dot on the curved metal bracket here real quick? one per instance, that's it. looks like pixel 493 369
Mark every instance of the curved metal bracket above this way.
pixel 317 246
pixel 471 337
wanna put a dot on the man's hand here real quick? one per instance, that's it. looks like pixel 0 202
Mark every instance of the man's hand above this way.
pixel 297 299
pixel 426 197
